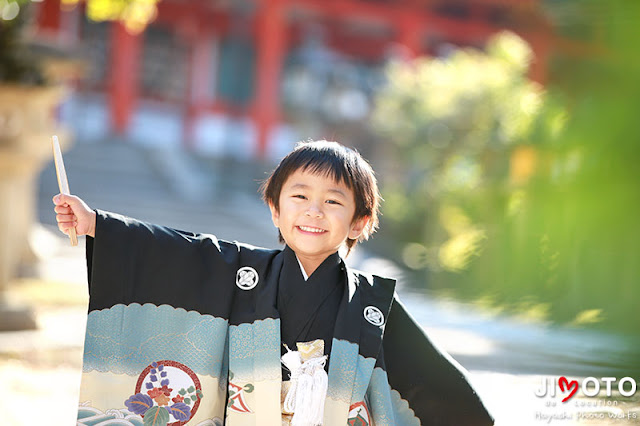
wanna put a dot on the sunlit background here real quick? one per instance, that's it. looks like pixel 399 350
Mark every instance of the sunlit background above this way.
pixel 504 134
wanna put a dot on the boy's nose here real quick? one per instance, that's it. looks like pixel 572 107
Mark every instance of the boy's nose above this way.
pixel 314 211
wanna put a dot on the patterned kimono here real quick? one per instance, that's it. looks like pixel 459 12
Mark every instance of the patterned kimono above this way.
pixel 186 329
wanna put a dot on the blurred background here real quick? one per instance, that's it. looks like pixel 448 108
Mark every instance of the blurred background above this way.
pixel 504 135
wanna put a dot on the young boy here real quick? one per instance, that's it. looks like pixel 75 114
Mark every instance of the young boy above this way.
pixel 185 328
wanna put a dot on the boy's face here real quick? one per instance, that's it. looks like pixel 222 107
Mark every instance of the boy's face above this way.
pixel 315 215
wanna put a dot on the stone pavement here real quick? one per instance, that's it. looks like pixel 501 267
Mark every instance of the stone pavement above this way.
pixel 40 370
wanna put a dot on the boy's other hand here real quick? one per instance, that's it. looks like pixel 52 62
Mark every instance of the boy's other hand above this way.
pixel 72 212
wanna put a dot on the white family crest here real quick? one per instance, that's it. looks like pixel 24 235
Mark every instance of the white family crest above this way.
pixel 246 278
pixel 373 315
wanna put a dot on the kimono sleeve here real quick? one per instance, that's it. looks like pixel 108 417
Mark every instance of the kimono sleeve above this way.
pixel 130 261
pixel 434 385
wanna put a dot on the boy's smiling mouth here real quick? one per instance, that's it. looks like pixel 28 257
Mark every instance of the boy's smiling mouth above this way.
pixel 311 229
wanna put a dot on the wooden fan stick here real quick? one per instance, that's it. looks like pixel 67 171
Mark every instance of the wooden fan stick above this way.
pixel 63 183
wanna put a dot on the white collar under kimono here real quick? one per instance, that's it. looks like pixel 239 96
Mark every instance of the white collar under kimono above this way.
pixel 304 273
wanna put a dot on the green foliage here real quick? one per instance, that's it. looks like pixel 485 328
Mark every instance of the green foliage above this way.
pixel 456 123
pixel 516 194
pixel 135 14
pixel 17 65
pixel 20 64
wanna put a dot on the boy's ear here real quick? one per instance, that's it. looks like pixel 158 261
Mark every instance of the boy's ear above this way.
pixel 357 227
pixel 275 215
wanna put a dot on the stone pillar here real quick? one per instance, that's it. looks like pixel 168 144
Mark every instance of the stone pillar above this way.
pixel 27 121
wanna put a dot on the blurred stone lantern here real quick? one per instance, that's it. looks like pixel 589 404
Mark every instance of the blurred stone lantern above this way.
pixel 26 125
pixel 28 109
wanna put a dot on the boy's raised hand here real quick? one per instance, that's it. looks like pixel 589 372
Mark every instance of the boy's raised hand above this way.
pixel 72 212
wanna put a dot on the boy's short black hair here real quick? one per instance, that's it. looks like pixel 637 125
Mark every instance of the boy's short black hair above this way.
pixel 341 163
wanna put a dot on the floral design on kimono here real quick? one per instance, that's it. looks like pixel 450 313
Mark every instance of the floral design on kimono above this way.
pixel 161 404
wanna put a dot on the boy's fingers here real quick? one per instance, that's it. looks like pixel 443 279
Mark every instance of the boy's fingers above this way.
pixel 66 226
pixel 65 218
pixel 63 209
pixel 61 199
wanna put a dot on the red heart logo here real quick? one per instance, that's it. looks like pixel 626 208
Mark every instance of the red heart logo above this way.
pixel 569 384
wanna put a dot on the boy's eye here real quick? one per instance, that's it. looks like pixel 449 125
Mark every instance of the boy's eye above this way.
pixel 333 202
pixel 302 197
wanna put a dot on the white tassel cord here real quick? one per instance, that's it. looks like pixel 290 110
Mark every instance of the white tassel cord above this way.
pixel 308 390
pixel 293 362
